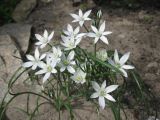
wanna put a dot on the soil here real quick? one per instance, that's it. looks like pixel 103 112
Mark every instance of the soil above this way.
pixel 135 31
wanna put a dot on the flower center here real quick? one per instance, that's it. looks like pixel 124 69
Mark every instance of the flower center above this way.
pixel 49 68
pixel 102 93
pixel 99 34
pixel 66 62
pixel 79 78
pixel 118 65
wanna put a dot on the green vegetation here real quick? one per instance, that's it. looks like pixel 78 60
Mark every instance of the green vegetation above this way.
pixel 6 9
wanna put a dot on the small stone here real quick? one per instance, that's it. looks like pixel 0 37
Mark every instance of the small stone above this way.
pixel 152 67
pixel 150 77
pixel 23 9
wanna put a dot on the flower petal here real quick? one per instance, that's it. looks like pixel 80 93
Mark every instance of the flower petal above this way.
pixel 71 55
pixel 128 67
pixel 80 13
pixel 71 69
pixel 75 16
pixel 116 57
pixel 76 31
pixel 30 57
pixel 27 64
pixel 102 27
pixel 46 76
pixel 36 54
pixel 94 95
pixel 51 35
pixel 94 29
pixel 104 39
pixel 106 33
pixel 86 14
pixel 42 56
pixel 124 58
pixel 95 86
pixel 39 37
pixel 62 68
pixel 81 23
pixel 111 88
pixel 109 97
pixel 103 84
pixel 101 102
pixel 45 34
pixel 124 72
pixel 40 72
pixel 70 28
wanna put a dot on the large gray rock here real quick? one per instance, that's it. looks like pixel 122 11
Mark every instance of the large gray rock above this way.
pixel 23 9
pixel 10 59
pixel 20 34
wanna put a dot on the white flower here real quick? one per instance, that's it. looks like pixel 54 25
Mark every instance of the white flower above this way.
pixel 99 14
pixel 55 55
pixel 73 33
pixel 70 43
pixel 120 63
pixel 45 39
pixel 81 17
pixel 47 69
pixel 102 92
pixel 79 76
pixel 35 60
pixel 99 34
pixel 67 63
pixel 102 55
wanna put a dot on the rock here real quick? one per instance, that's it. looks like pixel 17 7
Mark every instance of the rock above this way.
pixel 20 33
pixel 152 67
pixel 3 91
pixel 11 59
pixel 23 9
pixel 150 77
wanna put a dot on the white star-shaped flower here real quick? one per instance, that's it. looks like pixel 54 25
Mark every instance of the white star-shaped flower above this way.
pixel 99 34
pixel 47 69
pixel 70 43
pixel 70 32
pixel 81 17
pixel 35 60
pixel 79 76
pixel 102 55
pixel 67 63
pixel 55 55
pixel 44 40
pixel 103 92
pixel 120 63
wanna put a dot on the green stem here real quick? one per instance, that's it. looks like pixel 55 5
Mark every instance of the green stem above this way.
pixel 85 28
pixel 95 47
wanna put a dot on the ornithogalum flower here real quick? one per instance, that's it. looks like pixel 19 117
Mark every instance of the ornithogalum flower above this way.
pixel 103 92
pixel 67 63
pixel 55 55
pixel 102 55
pixel 35 60
pixel 81 17
pixel 79 76
pixel 70 43
pixel 70 32
pixel 44 40
pixel 47 68
pixel 120 63
pixel 99 34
